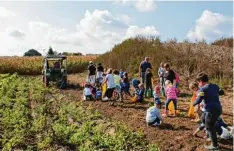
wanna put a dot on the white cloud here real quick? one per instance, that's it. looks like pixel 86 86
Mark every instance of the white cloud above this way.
pixel 211 26
pixel 146 31
pixel 97 32
pixel 140 5
pixel 5 13
pixel 15 33
pixel 145 5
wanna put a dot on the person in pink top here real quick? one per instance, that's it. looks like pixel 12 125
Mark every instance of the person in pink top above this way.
pixel 171 93
pixel 177 80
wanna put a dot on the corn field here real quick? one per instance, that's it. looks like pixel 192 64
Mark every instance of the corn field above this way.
pixel 34 65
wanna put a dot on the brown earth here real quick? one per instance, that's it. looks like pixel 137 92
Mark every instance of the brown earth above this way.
pixel 175 134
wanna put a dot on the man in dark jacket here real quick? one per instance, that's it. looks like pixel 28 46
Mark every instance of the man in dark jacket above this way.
pixel 92 72
pixel 143 67
pixel 213 109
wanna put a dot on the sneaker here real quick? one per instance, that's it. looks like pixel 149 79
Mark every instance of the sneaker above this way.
pixel 211 147
pixel 105 99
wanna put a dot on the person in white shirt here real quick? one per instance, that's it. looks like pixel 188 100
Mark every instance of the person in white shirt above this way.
pixel 153 116
pixel 87 94
pixel 110 85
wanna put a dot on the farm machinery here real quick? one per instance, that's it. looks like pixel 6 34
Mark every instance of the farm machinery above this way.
pixel 55 70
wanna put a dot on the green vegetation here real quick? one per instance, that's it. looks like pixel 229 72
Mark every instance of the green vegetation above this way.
pixel 34 118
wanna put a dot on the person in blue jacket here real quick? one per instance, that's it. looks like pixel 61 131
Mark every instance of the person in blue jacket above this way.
pixel 213 109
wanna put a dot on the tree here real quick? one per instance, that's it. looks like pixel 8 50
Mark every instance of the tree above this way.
pixel 32 52
pixel 50 51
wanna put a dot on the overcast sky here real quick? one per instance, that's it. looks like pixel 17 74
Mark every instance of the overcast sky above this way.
pixel 95 27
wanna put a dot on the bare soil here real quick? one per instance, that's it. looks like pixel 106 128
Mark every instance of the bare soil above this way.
pixel 175 134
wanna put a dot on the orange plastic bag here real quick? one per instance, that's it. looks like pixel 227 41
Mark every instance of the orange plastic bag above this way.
pixel 134 98
pixel 191 112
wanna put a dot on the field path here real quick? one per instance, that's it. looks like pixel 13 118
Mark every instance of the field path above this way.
pixel 175 134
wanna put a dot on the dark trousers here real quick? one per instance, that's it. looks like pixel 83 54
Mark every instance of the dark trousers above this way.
pixel 149 86
pixel 210 121
pixel 157 120
pixel 168 102
pixel 143 77
pixel 109 92
pixel 89 97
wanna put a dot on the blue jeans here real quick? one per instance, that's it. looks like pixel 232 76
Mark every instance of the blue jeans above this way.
pixel 168 102
pixel 155 122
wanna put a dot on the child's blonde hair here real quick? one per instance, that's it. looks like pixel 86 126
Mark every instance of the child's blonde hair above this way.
pixel 168 82
pixel 193 85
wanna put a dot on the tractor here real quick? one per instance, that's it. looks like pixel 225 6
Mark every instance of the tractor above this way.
pixel 55 70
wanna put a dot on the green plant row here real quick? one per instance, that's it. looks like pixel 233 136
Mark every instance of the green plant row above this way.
pixel 34 118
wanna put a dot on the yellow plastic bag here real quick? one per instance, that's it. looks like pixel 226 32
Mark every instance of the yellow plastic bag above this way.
pixel 171 108
pixel 191 112
pixel 104 86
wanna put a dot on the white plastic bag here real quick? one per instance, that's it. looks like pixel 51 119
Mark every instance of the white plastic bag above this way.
pixel 226 134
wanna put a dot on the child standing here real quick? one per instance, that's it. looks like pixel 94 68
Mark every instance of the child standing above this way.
pixel 87 94
pixel 148 83
pixel 171 93
pixel 140 93
pixel 157 95
pixel 153 116
pixel 177 79
pixel 161 74
pixel 117 83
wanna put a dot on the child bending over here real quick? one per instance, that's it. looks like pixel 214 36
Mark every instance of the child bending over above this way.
pixel 140 93
pixel 194 87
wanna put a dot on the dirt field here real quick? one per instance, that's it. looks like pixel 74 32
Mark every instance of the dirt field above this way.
pixel 175 134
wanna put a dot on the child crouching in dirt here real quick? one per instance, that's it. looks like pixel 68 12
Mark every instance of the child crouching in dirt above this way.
pixel 87 94
pixel 171 93
pixel 98 95
pixel 156 94
pixel 140 93
pixel 153 116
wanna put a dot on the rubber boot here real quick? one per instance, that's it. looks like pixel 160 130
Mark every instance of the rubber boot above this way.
pixel 165 113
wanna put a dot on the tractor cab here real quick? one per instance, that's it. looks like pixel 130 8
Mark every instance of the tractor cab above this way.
pixel 55 70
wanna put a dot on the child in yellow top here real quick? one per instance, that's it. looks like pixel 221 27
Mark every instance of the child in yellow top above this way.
pixel 194 112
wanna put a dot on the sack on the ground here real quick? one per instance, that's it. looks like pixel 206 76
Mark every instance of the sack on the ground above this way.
pixel 226 134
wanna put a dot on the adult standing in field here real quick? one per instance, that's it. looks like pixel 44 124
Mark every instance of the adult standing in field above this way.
pixel 110 85
pixel 100 71
pixel 169 75
pixel 92 72
pixel 161 74
pixel 213 109
pixel 143 67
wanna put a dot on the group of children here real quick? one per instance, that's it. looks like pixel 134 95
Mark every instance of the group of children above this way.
pixel 141 90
